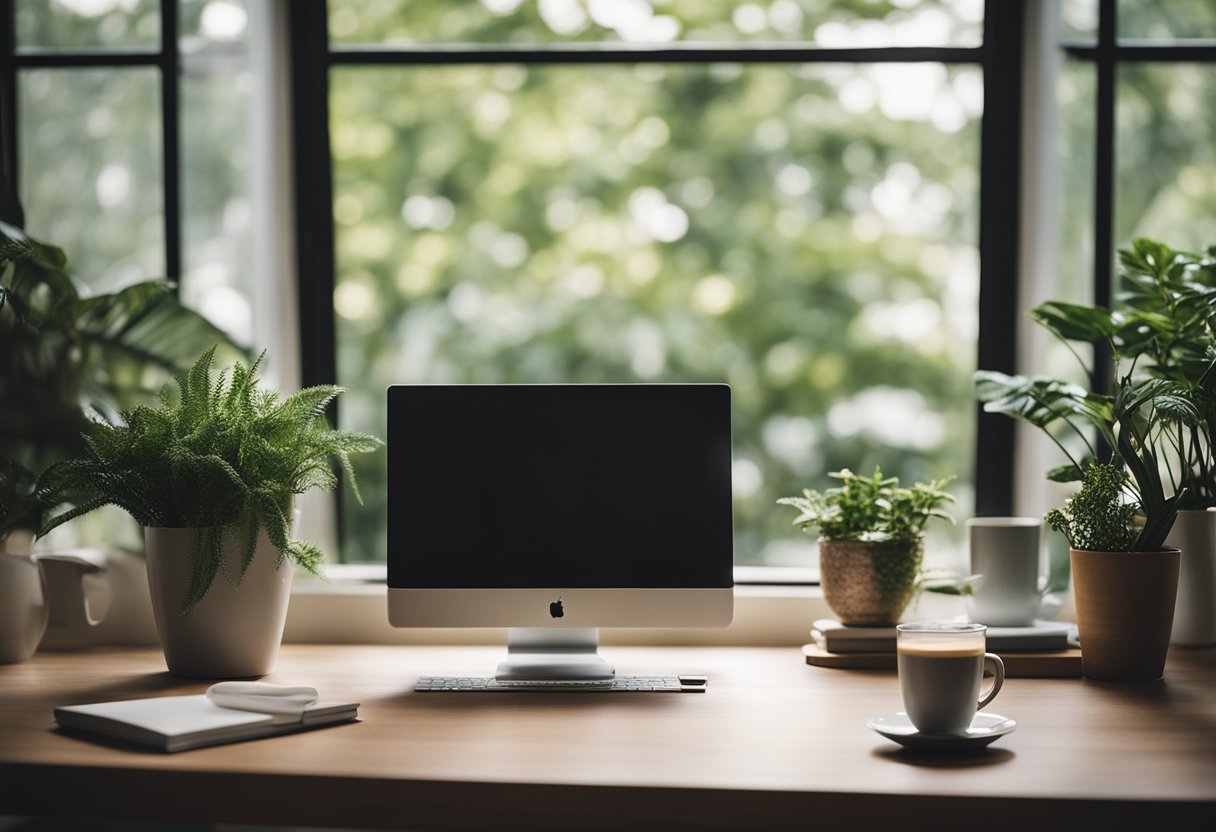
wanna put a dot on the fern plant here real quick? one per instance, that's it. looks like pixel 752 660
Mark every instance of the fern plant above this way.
pixel 219 455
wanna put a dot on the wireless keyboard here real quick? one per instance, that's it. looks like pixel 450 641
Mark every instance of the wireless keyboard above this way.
pixel 651 684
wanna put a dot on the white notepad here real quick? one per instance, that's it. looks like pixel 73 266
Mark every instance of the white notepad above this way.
pixel 179 723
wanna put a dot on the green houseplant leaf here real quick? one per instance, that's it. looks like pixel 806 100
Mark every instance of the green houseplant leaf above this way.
pixel 1074 323
pixel 67 357
pixel 1159 422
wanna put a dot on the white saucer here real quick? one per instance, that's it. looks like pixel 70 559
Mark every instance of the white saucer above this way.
pixel 985 728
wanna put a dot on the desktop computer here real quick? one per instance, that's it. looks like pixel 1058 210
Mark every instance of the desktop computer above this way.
pixel 557 509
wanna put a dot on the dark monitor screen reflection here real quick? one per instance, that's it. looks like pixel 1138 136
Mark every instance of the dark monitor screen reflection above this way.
pixel 559 506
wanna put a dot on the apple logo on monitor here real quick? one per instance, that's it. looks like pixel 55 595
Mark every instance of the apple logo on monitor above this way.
pixel 555 609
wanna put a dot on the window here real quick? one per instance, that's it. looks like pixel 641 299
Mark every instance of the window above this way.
pixel 817 205
pixel 131 143
pixel 531 192
pixel 129 127
pixel 1137 91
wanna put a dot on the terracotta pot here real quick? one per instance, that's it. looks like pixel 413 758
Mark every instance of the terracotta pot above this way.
pixel 1125 608
pixel 234 631
pixel 868 584
pixel 1194 532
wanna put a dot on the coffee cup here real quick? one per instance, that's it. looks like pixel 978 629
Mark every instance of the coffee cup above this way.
pixel 1007 591
pixel 941 669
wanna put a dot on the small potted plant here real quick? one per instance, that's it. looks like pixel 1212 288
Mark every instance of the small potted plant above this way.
pixel 1125 599
pixel 871 542
pixel 211 474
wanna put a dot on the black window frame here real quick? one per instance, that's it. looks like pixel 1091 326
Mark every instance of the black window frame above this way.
pixel 1107 53
pixel 999 56
pixel 167 59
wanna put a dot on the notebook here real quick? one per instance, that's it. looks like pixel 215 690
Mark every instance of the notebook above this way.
pixel 835 637
pixel 179 723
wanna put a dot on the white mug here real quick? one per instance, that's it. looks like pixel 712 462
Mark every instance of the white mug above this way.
pixel 1005 558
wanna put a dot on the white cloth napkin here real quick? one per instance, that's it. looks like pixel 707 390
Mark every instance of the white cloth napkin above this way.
pixel 262 697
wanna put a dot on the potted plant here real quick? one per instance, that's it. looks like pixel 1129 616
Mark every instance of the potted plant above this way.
pixel 66 355
pixel 1135 428
pixel 1125 599
pixel 1165 320
pixel 871 542
pixel 211 474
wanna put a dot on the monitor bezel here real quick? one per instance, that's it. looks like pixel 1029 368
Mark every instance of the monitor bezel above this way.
pixel 581 607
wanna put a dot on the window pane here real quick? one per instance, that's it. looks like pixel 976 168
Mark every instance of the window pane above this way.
pixel 88 24
pixel 1167 20
pixel 203 23
pixel 217 124
pixel 1166 154
pixel 881 23
pixel 1079 20
pixel 803 233
pixel 1076 88
pixel 91 170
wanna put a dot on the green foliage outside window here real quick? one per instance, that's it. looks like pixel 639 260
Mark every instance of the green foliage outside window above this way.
pixel 669 223
pixel 445 175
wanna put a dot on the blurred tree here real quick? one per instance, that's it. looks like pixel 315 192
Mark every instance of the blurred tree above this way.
pixel 805 233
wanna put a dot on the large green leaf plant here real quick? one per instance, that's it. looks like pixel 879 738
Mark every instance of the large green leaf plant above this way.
pixel 1159 420
pixel 68 358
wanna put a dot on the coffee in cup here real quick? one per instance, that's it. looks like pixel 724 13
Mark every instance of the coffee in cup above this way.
pixel 941 668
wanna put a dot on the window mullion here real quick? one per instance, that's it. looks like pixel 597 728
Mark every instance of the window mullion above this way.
pixel 1000 183
pixel 170 140
pixel 1104 183
pixel 8 90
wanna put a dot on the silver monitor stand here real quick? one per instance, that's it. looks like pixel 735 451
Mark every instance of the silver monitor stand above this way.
pixel 553 654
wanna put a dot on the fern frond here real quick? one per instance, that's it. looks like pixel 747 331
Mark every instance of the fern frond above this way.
pixel 306 555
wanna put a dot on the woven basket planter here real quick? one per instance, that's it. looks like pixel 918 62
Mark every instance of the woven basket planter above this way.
pixel 868 584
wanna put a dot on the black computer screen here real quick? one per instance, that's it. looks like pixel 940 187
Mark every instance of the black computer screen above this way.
pixel 559 486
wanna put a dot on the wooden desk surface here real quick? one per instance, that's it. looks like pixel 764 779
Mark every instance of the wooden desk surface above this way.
pixel 773 742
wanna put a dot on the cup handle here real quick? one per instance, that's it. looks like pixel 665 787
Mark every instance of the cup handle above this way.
pixel 64 576
pixel 993 664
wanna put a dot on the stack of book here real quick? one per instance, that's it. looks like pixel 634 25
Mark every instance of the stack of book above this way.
pixel 1042 649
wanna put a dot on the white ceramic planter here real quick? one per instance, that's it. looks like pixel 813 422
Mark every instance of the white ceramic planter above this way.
pixel 232 632
pixel 23 607
pixel 1194 532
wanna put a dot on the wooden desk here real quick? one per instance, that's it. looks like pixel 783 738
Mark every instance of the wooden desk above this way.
pixel 773 743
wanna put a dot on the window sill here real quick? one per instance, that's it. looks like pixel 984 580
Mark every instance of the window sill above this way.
pixel 349 608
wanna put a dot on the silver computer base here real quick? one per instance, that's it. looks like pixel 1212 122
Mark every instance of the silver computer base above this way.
pixel 540 654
